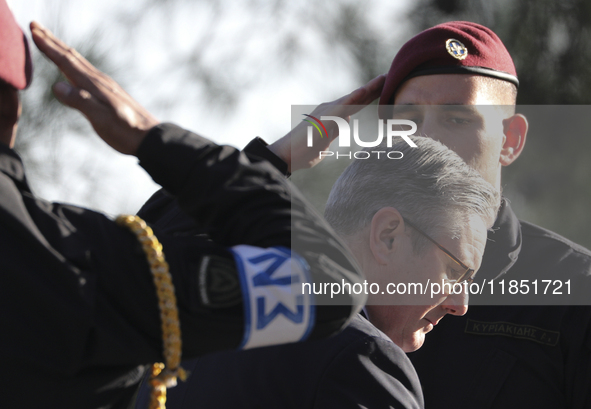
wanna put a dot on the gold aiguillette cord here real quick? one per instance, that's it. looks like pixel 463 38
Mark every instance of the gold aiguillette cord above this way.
pixel 163 376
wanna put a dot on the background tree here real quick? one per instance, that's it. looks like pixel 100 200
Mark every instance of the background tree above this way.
pixel 232 69
pixel 203 64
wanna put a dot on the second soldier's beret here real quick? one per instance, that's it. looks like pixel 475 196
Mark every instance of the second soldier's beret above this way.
pixel 457 47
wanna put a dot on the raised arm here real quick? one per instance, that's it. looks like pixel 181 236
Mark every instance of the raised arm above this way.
pixel 292 147
pixel 243 204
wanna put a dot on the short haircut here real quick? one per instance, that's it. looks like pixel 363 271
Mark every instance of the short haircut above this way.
pixel 504 91
pixel 430 185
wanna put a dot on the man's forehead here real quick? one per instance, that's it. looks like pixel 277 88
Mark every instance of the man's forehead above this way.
pixel 470 244
pixel 409 107
pixel 444 89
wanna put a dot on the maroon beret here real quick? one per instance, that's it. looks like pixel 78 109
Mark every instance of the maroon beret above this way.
pixel 457 47
pixel 16 68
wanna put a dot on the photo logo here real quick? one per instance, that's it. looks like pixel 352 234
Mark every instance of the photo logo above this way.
pixel 392 128
pixel 316 126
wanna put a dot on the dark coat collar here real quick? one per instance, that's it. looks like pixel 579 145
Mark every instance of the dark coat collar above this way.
pixel 12 166
pixel 13 212
pixel 503 245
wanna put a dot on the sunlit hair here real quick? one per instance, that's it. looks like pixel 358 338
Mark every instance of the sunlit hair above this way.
pixel 431 186
pixel 504 92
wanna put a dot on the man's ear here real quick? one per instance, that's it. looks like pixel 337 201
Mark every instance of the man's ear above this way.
pixel 515 130
pixel 387 226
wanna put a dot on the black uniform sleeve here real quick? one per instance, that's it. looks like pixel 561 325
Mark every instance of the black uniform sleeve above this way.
pixel 162 209
pixel 259 148
pixel 236 198
pixel 228 195
pixel 243 200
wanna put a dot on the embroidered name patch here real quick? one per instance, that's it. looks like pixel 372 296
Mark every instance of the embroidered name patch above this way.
pixel 275 309
pixel 507 329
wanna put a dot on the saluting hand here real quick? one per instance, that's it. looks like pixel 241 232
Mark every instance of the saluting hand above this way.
pixel 292 147
pixel 115 116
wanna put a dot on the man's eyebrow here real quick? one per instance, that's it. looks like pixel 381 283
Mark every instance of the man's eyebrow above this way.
pixel 446 106
pixel 459 107
pixel 401 109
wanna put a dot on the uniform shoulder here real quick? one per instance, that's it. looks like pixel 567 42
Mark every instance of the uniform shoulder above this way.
pixel 360 327
pixel 370 371
pixel 553 239
pixel 362 337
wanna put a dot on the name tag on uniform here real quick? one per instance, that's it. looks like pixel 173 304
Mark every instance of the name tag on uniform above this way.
pixel 508 329
pixel 275 309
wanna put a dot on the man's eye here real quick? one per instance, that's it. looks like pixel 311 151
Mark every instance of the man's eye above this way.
pixel 417 120
pixel 459 121
pixel 454 274
pixel 409 117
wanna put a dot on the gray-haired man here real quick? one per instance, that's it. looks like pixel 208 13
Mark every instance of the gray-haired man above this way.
pixel 420 219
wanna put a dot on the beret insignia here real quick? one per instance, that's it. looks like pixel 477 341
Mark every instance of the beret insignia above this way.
pixel 456 49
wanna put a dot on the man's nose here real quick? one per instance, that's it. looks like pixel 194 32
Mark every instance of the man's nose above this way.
pixel 456 304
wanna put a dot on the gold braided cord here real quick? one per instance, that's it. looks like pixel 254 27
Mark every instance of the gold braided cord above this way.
pixel 163 376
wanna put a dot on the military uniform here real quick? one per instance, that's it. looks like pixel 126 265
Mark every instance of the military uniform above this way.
pixel 79 309
pixel 480 359
pixel 357 368
pixel 511 350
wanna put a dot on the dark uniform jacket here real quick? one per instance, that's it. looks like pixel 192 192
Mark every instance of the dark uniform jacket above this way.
pixel 79 316
pixel 515 357
pixel 357 368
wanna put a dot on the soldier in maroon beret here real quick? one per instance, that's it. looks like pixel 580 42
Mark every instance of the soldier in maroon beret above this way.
pixel 459 64
pixel 458 83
